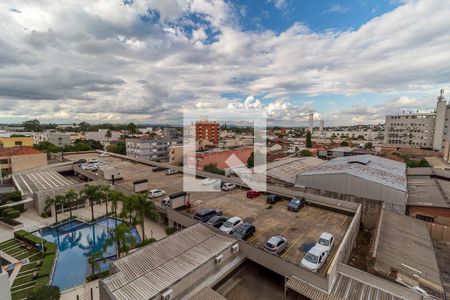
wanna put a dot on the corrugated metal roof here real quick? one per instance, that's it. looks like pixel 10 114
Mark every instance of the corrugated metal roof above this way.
pixel 369 167
pixel 39 181
pixel 431 192
pixel 405 245
pixel 207 293
pixel 344 288
pixel 151 270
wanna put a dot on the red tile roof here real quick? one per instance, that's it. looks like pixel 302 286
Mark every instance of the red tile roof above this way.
pixel 18 151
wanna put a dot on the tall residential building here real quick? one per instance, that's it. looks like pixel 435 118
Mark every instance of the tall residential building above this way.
pixel 423 130
pixel 151 149
pixel 207 130
pixel 311 122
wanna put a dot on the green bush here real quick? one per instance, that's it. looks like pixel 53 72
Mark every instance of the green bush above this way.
pixel 6 210
pixel 146 242
pixel 45 215
pixel 212 168
pixel 25 236
pixel 45 292
pixel 305 152
pixel 97 276
pixel 14 196
pixel 12 214
pixel 47 266
pixel 170 230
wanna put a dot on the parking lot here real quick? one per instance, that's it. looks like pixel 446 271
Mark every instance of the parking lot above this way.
pixel 302 228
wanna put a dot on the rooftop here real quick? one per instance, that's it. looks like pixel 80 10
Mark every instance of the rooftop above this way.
pixel 38 181
pixel 369 167
pixel 287 169
pixel 151 270
pixel 404 245
pixel 432 192
pixel 18 151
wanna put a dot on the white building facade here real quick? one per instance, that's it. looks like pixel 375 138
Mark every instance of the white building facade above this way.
pixel 422 130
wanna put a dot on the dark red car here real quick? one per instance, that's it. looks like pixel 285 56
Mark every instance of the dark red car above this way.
pixel 253 194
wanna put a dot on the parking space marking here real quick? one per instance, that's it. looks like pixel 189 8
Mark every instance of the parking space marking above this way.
pixel 293 244
pixel 284 231
pixel 343 221
pixel 262 231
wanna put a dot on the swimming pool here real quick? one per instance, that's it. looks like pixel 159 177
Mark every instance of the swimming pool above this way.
pixel 76 241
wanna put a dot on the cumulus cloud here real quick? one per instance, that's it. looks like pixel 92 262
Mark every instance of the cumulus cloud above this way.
pixel 145 60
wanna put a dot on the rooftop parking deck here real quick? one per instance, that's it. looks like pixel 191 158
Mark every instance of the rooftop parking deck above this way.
pixel 302 229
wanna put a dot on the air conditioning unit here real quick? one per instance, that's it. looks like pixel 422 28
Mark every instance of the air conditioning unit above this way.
pixel 167 295
pixel 219 259
pixel 235 248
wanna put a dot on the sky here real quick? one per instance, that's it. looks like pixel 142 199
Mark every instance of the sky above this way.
pixel 144 61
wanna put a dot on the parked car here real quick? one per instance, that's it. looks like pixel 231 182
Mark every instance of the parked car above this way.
pixel 271 199
pixel 217 221
pixel 208 181
pixel 156 193
pixel 104 154
pixel 158 169
pixel 171 172
pixel 207 213
pixel 228 186
pixel 314 259
pixel 325 241
pixel 165 202
pixel 80 161
pixel 93 161
pixel 244 231
pixel 276 244
pixel 231 224
pixel 296 203
pixel 252 194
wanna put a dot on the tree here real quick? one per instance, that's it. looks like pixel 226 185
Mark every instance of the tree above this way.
pixel 69 198
pixel 33 125
pixel 308 139
pixel 212 168
pixel 132 128
pixel 93 194
pixel 54 201
pixel 368 145
pixel 84 127
pixel 140 205
pixel 105 189
pixel 115 197
pixel 122 237
pixel 344 144
pixel 305 152
pixel 119 148
pixel 45 292
pixel 93 260
pixel 251 160
pixel 108 134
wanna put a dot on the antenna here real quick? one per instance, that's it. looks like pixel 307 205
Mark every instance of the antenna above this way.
pixel 441 97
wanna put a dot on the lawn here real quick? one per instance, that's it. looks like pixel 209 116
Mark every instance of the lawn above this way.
pixel 27 276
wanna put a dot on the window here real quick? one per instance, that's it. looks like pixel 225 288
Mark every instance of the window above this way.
pixel 18 143
pixel 425 218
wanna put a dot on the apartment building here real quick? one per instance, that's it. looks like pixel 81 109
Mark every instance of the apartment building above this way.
pixel 151 149
pixel 207 130
pixel 422 130
pixel 350 134
pixel 56 138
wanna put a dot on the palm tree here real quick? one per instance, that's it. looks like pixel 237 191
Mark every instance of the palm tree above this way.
pixel 115 197
pixel 140 205
pixel 54 201
pixel 122 237
pixel 69 198
pixel 127 208
pixel 105 189
pixel 93 194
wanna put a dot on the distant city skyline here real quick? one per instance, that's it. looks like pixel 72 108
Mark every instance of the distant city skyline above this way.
pixel 349 62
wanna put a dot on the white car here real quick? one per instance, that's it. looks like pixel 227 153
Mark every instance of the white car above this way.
pixel 314 259
pixel 231 224
pixel 104 154
pixel 156 193
pixel 325 241
pixel 208 181
pixel 93 161
pixel 228 186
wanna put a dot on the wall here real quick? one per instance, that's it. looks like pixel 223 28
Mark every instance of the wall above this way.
pixel 5 293
pixel 441 215
pixel 439 232
pixel 9 142
pixel 28 161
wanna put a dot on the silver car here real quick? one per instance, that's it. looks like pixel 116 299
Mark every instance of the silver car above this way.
pixel 276 245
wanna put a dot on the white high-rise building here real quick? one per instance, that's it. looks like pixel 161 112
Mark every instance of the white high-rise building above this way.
pixel 423 130
pixel 311 122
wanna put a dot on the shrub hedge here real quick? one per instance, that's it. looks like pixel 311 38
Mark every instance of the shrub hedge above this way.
pixel 97 276
pixel 12 214
pixel 47 265
pixel 25 236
